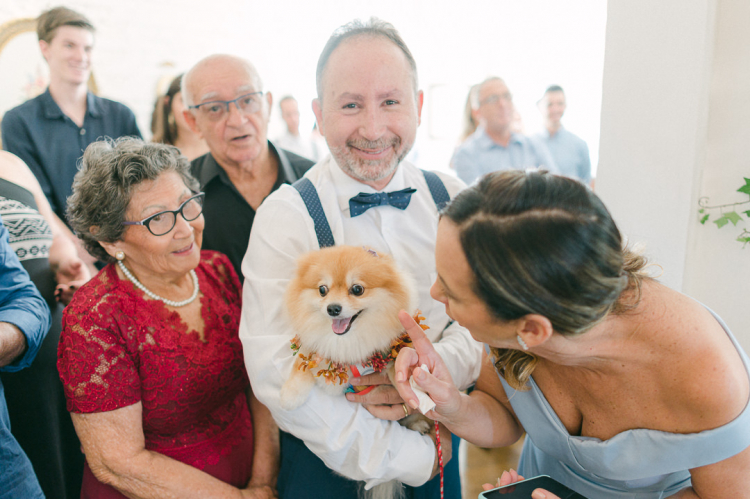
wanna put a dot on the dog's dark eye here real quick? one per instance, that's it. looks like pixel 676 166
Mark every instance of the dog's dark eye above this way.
pixel 323 290
pixel 357 290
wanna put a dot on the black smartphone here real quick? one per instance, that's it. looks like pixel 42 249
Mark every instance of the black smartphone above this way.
pixel 524 488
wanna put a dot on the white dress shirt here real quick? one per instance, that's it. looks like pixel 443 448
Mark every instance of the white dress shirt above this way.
pixel 344 434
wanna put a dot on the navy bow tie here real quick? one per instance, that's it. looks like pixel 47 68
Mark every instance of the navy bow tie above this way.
pixel 364 201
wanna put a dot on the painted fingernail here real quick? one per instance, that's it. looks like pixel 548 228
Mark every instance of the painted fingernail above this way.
pixel 414 403
pixel 538 494
pixel 354 381
pixel 399 377
pixel 350 397
pixel 505 475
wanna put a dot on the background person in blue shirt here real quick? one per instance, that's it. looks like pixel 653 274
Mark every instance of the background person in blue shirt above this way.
pixel 50 132
pixel 24 320
pixel 494 145
pixel 570 152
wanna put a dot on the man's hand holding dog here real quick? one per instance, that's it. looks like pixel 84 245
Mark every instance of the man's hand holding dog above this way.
pixel 383 401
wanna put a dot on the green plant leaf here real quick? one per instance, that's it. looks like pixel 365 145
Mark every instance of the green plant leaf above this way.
pixel 705 217
pixel 745 188
pixel 701 210
pixel 721 222
pixel 747 213
pixel 744 240
pixel 733 217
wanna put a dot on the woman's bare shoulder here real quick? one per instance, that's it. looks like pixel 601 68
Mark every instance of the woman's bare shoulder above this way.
pixel 13 169
pixel 708 379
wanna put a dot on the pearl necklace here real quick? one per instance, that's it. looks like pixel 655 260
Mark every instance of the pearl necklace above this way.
pixel 153 295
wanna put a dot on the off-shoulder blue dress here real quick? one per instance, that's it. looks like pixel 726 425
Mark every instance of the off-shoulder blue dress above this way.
pixel 634 464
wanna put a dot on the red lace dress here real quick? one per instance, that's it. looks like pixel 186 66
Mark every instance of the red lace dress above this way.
pixel 118 348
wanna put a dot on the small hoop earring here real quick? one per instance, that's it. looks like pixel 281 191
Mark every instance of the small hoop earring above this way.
pixel 120 256
pixel 521 342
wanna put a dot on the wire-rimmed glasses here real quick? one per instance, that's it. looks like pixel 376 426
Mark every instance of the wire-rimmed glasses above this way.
pixel 216 110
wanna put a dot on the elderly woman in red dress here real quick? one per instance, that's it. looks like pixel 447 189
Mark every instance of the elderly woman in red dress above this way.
pixel 149 355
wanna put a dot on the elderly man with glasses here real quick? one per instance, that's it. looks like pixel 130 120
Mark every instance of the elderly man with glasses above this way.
pixel 228 107
pixel 494 145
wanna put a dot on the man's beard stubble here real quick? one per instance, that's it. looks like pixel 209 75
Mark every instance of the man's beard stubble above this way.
pixel 369 170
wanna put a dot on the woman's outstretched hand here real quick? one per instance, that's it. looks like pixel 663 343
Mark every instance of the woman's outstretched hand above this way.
pixel 437 382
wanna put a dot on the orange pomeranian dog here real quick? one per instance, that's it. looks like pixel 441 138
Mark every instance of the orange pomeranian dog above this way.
pixel 343 302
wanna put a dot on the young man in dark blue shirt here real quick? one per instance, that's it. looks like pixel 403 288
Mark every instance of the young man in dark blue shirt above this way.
pixel 50 132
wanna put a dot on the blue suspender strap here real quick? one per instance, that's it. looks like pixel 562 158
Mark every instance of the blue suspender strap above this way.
pixel 315 209
pixel 323 230
pixel 437 189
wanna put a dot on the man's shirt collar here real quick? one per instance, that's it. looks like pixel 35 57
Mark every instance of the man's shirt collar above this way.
pixel 208 170
pixel 92 105
pixel 286 172
pixel 52 109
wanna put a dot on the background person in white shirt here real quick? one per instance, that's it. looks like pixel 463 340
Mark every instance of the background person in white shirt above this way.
pixel 368 108
pixel 291 139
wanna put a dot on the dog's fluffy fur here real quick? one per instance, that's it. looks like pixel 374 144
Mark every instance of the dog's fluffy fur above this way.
pixel 366 323
pixel 343 303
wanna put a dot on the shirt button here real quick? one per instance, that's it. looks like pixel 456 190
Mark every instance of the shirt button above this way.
pixel 83 131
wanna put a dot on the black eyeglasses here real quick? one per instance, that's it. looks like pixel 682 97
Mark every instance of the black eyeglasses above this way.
pixel 164 221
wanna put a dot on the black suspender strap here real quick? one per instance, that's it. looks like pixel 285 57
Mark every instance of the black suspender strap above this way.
pixel 315 209
pixel 437 189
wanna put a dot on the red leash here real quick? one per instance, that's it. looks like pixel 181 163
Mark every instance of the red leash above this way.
pixel 440 458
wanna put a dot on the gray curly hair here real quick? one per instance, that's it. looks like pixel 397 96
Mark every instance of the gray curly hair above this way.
pixel 102 188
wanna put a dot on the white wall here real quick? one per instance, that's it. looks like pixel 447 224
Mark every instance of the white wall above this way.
pixel 717 268
pixel 674 128
pixel 532 44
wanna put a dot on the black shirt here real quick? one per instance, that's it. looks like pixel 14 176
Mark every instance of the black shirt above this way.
pixel 51 143
pixel 228 216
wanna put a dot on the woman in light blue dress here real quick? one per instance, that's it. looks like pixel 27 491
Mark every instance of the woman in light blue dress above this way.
pixel 625 388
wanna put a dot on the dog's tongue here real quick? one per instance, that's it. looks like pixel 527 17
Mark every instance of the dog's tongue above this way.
pixel 339 325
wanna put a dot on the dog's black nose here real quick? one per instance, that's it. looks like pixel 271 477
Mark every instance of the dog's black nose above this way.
pixel 334 309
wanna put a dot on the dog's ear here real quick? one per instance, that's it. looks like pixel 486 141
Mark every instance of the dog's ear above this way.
pixel 303 265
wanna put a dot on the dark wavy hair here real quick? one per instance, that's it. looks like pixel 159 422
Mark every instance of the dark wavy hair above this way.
pixel 543 244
